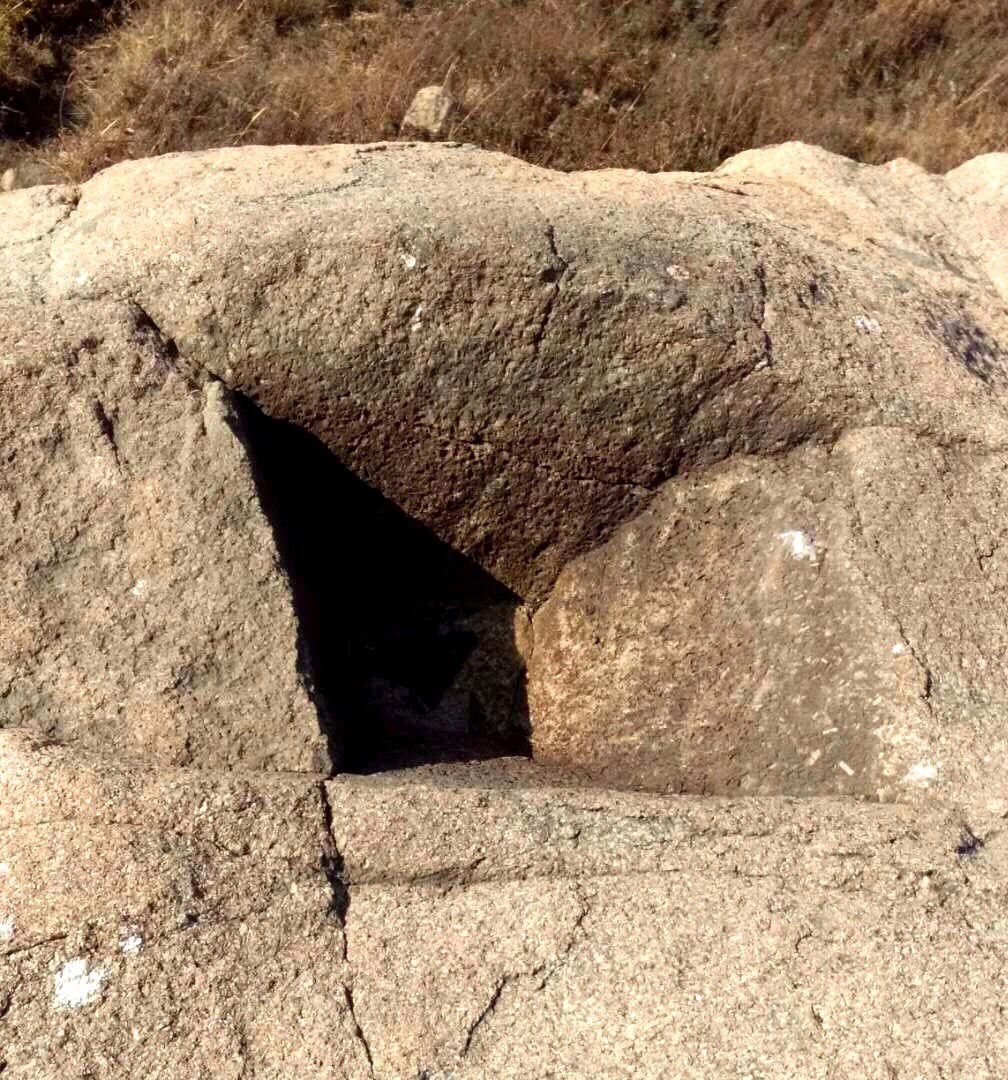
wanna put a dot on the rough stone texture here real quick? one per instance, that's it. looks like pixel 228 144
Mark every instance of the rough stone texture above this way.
pixel 633 313
pixel 544 371
pixel 346 419
pixel 827 621
pixel 631 935
pixel 727 640
pixel 179 922
pixel 142 607
pixel 166 923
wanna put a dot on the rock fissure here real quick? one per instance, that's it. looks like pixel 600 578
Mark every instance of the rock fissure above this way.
pixel 332 867
pixel 163 346
pixel 106 429
pixel 540 975
pixel 487 1011
pixel 553 275
pixel 31 946
pixel 309 193
pixel 451 880
pixel 762 293
pixel 332 864
pixel 358 1030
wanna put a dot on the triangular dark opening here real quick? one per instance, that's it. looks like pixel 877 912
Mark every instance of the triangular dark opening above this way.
pixel 406 645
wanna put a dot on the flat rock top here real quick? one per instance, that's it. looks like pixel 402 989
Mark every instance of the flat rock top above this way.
pixel 395 927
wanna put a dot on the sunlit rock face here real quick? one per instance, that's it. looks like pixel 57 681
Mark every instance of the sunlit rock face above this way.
pixel 556 504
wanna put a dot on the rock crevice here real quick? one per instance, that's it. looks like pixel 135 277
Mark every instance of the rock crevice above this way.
pixel 305 448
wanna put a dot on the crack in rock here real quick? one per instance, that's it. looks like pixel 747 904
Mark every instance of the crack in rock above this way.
pixel 542 973
pixel 71 202
pixel 30 946
pixel 358 1030
pixel 762 294
pixel 332 866
pixel 552 274
pixel 106 428
pixel 166 352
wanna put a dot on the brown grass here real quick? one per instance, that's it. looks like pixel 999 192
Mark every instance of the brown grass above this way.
pixel 653 84
pixel 38 43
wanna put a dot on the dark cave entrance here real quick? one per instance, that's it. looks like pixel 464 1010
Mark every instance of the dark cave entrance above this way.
pixel 407 646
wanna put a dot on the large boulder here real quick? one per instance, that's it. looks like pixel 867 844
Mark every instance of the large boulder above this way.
pixel 493 390
pixel 358 456
pixel 728 640
pixel 519 358
pixel 823 621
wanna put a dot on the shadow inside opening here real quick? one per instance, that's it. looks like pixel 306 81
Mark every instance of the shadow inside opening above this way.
pixel 406 645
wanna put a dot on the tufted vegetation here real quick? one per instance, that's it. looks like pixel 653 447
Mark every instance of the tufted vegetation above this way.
pixel 652 84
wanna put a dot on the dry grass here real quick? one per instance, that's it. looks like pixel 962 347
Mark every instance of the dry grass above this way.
pixel 38 43
pixel 654 84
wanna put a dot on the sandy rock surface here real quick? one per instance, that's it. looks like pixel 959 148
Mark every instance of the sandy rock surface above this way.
pixel 179 922
pixel 391 460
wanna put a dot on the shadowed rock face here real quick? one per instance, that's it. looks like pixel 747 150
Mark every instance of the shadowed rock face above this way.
pixel 351 459
pixel 732 439
pixel 410 649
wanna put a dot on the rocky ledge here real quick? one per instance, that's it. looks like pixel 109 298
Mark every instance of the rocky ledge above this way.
pixel 459 619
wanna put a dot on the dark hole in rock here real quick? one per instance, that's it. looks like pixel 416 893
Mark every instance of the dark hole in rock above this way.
pixel 407 646
pixel 969 844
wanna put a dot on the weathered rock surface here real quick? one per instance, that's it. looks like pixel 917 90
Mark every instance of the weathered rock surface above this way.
pixel 732 439
pixel 477 922
pixel 825 621
pixel 727 639
pixel 142 607
pixel 308 453
pixel 166 923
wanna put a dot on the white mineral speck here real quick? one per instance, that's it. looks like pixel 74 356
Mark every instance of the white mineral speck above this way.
pixel 6 928
pixel 898 649
pixel 923 774
pixel 801 544
pixel 842 765
pixel 131 945
pixel 867 325
pixel 408 260
pixel 139 588
pixel 76 986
